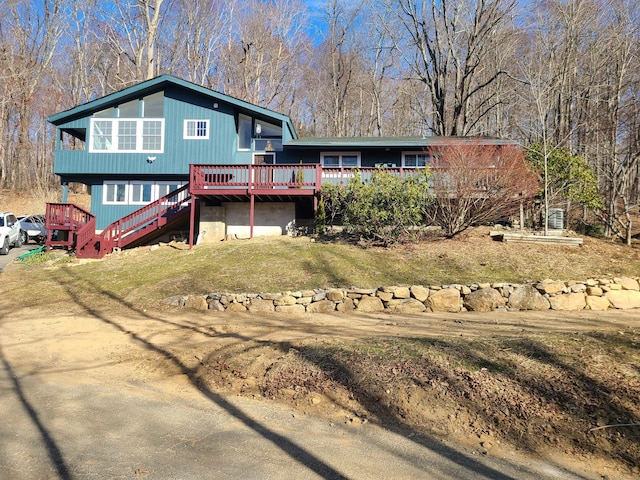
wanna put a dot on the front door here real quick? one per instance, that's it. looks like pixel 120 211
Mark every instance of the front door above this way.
pixel 264 175
pixel 264 158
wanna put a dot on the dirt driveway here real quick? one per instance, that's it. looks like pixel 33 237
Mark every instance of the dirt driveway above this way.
pixel 113 393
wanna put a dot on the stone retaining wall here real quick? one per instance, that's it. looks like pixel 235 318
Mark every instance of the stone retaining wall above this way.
pixel 592 294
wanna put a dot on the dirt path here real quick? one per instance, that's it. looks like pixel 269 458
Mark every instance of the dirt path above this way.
pixel 115 393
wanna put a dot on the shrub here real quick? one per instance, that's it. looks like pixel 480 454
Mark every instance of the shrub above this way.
pixel 387 206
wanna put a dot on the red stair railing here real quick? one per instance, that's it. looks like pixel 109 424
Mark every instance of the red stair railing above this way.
pixel 81 224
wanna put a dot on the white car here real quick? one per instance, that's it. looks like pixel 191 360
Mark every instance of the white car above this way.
pixel 10 232
pixel 33 228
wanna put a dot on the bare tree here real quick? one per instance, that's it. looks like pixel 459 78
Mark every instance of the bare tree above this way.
pixel 29 34
pixel 132 28
pixel 619 140
pixel 193 39
pixel 332 72
pixel 474 183
pixel 448 46
pixel 263 48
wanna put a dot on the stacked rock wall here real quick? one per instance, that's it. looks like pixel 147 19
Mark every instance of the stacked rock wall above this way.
pixel 592 294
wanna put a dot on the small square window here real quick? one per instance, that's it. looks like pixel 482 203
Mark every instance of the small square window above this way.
pixel 196 129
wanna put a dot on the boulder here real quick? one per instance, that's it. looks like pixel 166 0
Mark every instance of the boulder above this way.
pixel 271 296
pixel 550 287
pixel 295 308
pixel 623 299
pixel 526 297
pixel 323 306
pixel 402 292
pixel 319 296
pixel 484 300
pixel 578 288
pixel 628 283
pixel 335 295
pixel 177 300
pixel 346 305
pixel 598 303
pixel 594 291
pixel 285 300
pixel 419 292
pixel 216 306
pixel 445 300
pixel 361 291
pixel 408 305
pixel 261 306
pixel 568 301
pixel 384 296
pixel 197 302
pixel 370 305
pixel 236 307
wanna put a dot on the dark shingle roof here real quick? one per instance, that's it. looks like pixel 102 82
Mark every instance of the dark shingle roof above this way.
pixel 381 142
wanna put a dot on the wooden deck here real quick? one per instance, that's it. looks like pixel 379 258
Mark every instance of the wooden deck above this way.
pixel 77 228
pixel 275 180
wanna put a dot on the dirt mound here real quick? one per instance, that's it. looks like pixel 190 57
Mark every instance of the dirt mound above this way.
pixel 549 394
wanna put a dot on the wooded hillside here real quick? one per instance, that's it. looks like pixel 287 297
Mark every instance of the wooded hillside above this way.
pixel 559 73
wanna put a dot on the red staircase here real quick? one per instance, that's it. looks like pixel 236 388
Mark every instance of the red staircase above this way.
pixel 77 228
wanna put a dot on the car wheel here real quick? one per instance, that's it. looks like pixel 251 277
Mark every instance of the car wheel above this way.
pixel 19 242
pixel 24 236
pixel 5 247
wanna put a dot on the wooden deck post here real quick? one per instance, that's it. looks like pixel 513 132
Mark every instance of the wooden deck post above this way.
pixel 251 214
pixel 192 220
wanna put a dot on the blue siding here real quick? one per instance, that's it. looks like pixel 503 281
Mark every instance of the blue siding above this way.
pixel 368 157
pixel 179 104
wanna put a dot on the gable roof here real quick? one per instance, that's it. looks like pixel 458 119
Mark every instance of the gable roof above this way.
pixel 155 85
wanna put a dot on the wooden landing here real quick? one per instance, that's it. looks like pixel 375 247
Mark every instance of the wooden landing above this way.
pixel 523 237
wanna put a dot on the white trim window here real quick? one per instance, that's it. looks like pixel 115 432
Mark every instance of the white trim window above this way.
pixel 415 159
pixel 136 192
pixel 127 135
pixel 142 192
pixel 165 188
pixel 196 130
pixel 340 159
pixel 245 135
pixel 115 193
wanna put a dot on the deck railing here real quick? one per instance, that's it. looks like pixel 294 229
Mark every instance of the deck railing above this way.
pixel 259 177
pixel 69 221
pixel 66 215
pixel 254 177
pixel 116 234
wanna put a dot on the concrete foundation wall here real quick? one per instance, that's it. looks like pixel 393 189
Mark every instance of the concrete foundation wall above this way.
pixel 212 224
pixel 270 219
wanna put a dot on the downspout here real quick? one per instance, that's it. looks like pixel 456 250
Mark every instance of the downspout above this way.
pixel 65 192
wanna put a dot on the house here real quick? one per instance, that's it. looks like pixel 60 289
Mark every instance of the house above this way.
pixel 168 155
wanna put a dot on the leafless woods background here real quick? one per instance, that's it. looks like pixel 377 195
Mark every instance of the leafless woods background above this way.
pixel 557 72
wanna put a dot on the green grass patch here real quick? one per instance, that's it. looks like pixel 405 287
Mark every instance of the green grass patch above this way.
pixel 146 276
